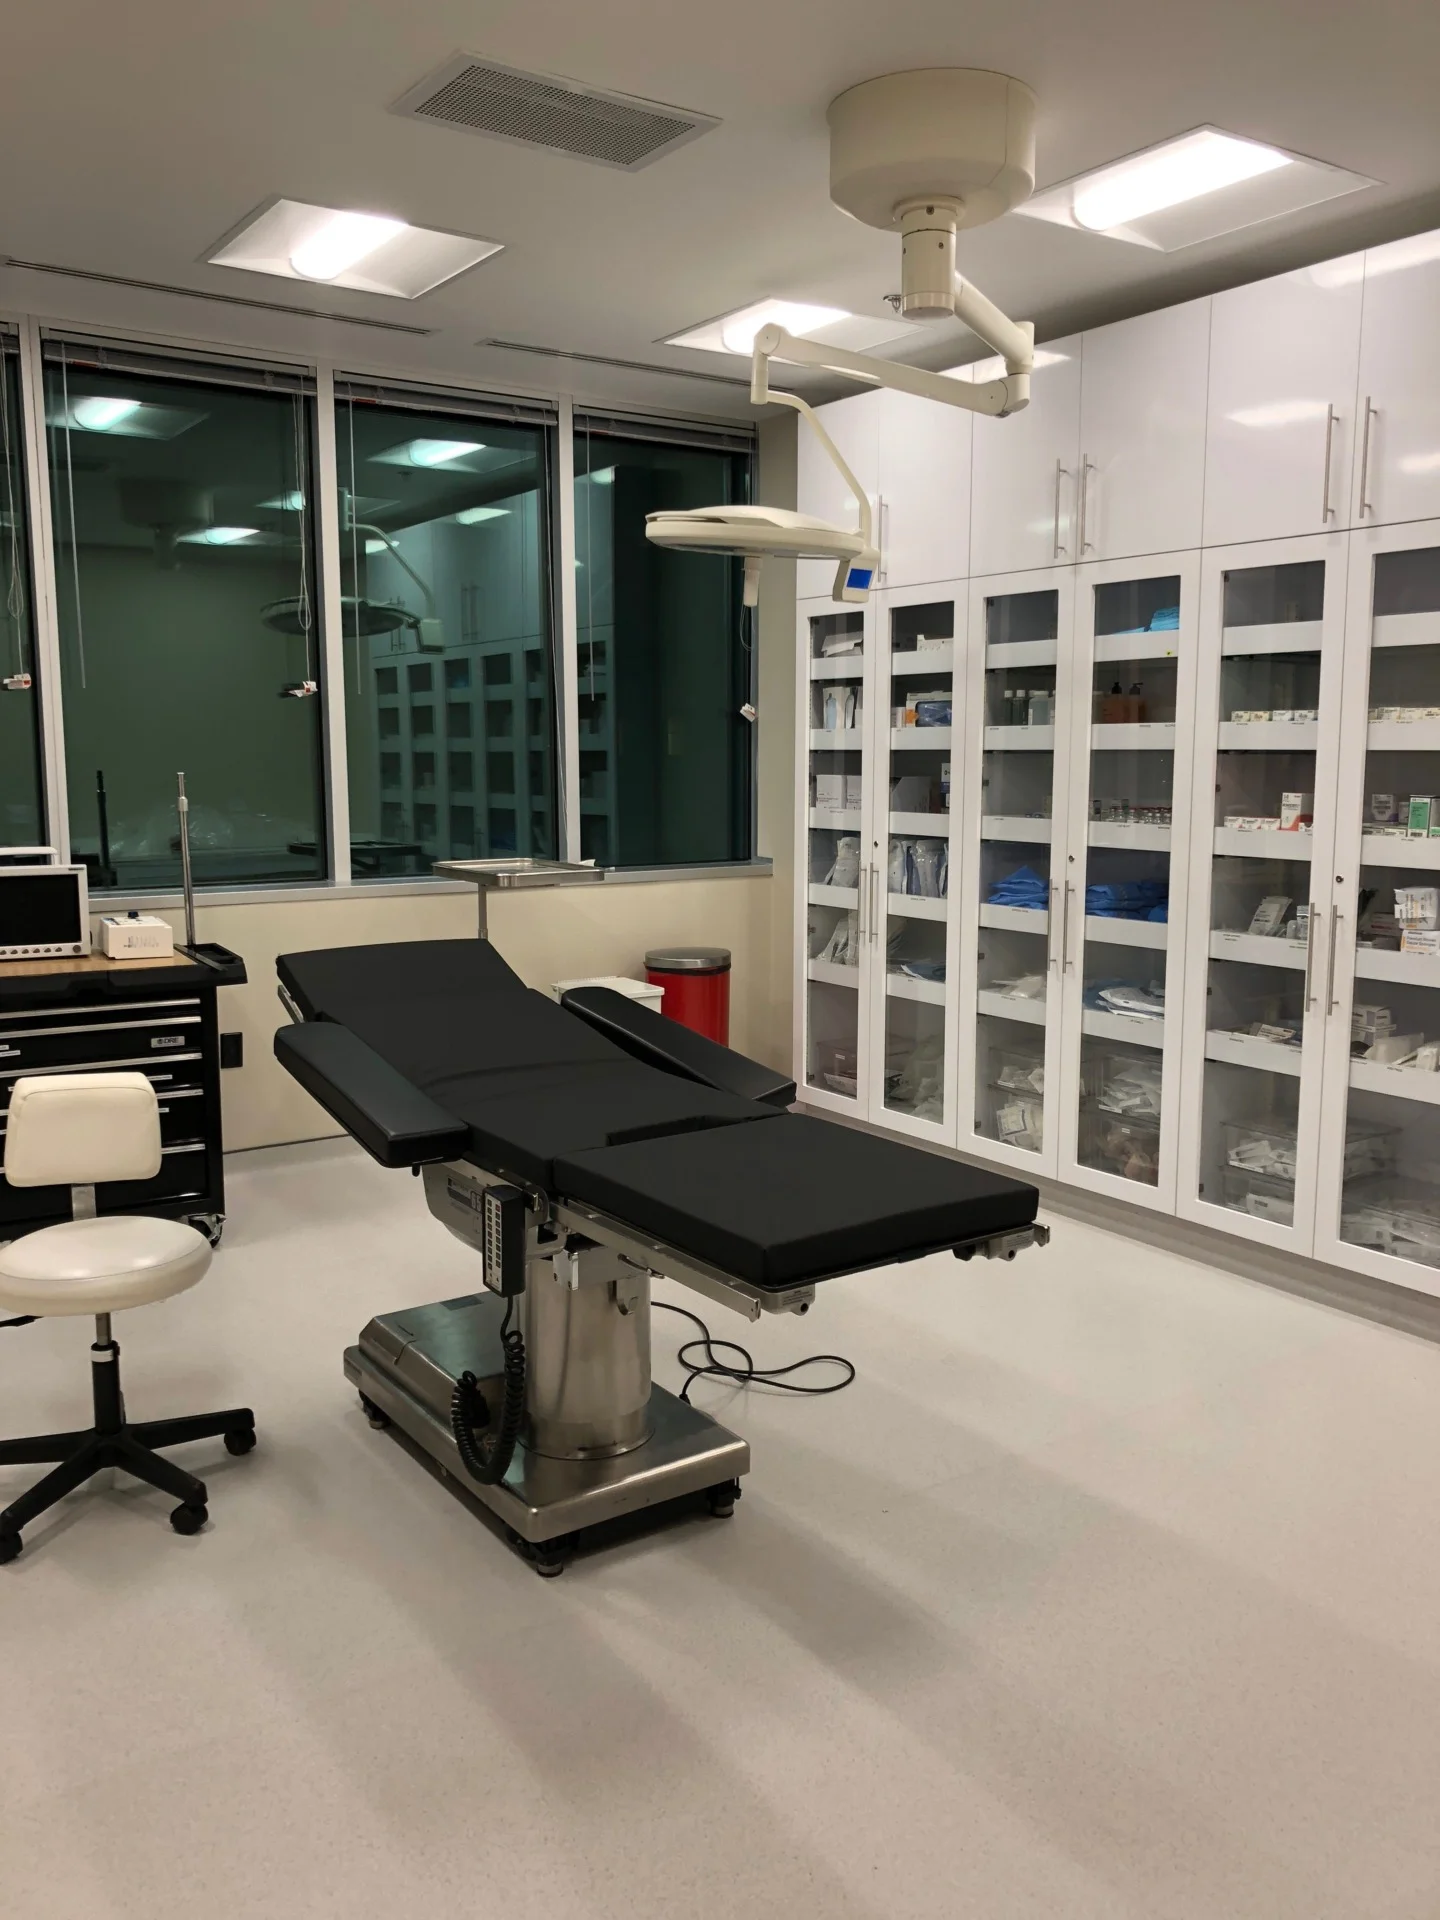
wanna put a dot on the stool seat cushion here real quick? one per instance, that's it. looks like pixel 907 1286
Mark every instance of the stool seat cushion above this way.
pixel 101 1266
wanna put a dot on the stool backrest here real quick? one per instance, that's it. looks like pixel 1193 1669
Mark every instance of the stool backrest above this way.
pixel 76 1129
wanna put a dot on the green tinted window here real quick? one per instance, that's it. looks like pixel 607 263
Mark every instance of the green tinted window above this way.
pixel 664 663
pixel 189 630
pixel 21 814
pixel 449 675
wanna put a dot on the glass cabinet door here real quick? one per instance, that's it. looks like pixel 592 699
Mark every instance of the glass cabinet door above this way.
pixel 1272 639
pixel 1017 715
pixel 1124 875
pixel 912 849
pixel 1379 1201
pixel 841 883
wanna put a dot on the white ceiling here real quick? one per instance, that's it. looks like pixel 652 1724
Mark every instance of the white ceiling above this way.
pixel 132 137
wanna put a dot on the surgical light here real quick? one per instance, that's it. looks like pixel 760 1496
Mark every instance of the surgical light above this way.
pixel 221 536
pixel 343 242
pixel 1200 163
pixel 100 412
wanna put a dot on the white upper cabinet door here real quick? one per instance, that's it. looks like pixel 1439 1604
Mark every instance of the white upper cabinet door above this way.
pixel 924 488
pixel 1397 476
pixel 1142 434
pixel 1024 470
pixel 1284 357
pixel 854 425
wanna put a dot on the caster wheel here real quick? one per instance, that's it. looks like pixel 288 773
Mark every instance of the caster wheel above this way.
pixel 243 1442
pixel 721 1500
pixel 207 1223
pixel 10 1545
pixel 189 1519
pixel 377 1416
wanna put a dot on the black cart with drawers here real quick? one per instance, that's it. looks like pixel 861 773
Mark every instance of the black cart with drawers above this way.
pixel 156 1016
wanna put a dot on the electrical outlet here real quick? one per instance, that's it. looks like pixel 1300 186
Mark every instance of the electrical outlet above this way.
pixel 232 1049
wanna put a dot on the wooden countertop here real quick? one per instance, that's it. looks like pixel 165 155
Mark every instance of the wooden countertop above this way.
pixel 90 963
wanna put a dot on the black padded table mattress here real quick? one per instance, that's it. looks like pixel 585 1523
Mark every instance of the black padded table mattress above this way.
pixel 443 1044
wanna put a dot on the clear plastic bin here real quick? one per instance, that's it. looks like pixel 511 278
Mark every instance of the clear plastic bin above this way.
pixel 1400 1218
pixel 1017 1070
pixel 1267 1149
pixel 1262 1199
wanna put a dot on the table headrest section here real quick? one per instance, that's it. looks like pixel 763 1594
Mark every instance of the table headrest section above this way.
pixel 334 983
pixel 395 1121
pixel 794 1201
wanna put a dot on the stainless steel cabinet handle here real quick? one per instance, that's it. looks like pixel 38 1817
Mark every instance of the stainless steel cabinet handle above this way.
pixel 1061 473
pixel 861 881
pixel 1082 488
pixel 1327 512
pixel 1365 506
pixel 1331 1003
pixel 874 903
pixel 1065 931
pixel 1316 916
pixel 1054 890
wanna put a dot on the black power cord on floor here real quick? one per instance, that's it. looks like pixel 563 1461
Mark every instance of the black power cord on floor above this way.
pixel 747 1374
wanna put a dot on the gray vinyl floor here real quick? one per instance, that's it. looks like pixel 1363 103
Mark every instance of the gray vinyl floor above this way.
pixel 1112 1588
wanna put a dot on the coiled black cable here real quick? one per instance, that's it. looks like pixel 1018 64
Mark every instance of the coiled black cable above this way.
pixel 747 1374
pixel 487 1458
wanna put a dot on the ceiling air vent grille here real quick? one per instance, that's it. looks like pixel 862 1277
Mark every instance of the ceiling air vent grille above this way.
pixel 542 110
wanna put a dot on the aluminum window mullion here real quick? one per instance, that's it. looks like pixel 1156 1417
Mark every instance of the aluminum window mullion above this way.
pixel 332 634
pixel 567 655
pixel 45 580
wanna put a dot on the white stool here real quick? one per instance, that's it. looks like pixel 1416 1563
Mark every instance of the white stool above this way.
pixel 75 1130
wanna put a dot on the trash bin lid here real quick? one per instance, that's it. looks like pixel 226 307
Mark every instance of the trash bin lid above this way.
pixel 689 959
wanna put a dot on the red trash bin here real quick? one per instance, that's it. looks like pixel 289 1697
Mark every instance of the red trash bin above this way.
pixel 697 987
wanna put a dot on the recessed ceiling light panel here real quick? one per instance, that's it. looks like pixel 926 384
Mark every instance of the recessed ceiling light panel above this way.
pixel 1196 187
pixel 339 247
pixel 832 326
pixel 431 453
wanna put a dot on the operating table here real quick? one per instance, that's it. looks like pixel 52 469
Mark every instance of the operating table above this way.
pixel 585 1149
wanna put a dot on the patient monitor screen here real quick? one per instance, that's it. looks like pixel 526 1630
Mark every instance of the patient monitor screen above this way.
pixel 39 909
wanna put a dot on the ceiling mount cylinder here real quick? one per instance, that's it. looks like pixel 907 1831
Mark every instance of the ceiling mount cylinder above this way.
pixel 927 260
pixel 960 135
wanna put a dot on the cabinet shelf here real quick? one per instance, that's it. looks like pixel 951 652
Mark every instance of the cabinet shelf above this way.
pixel 1019 739
pixel 1405 630
pixel 1283 636
pixel 1405 969
pixel 1258 949
pixel 1022 653
pixel 1405 1083
pixel 1033 920
pixel 1101 929
pixel 845 666
pixel 844 822
pixel 1142 736
pixel 1391 850
pixel 934 825
pixel 1403 736
pixel 822 896
pixel 836 740
pixel 1136 646
pixel 1130 1027
pixel 933 660
pixel 1002 1006
pixel 1244 1050
pixel 827 974
pixel 1264 843
pixel 930 993
pixel 1268 736
pixel 920 739
pixel 914 906
pixel 1019 826
pixel 1119 833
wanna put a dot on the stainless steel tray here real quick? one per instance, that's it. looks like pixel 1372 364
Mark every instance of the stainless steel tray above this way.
pixel 509 873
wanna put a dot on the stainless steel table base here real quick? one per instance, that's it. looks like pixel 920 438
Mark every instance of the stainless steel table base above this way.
pixel 405 1367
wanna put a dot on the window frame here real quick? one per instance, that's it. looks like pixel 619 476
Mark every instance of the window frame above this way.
pixel 331 381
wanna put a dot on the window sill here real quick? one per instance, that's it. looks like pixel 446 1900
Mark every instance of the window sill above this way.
pixel 281 895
